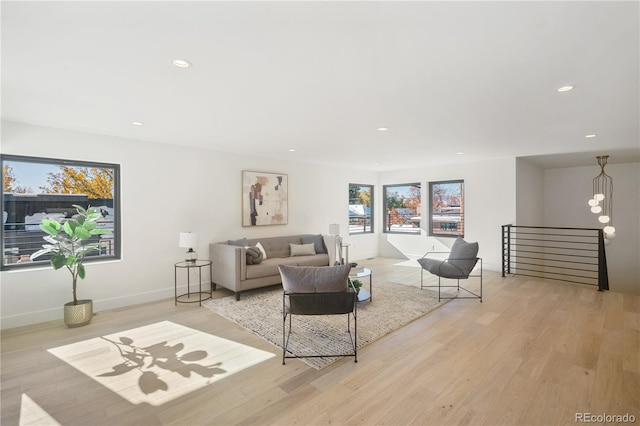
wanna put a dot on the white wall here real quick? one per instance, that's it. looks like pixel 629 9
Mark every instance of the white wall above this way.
pixel 168 189
pixel 489 203
pixel 558 197
pixel 566 191
pixel 165 190
pixel 529 194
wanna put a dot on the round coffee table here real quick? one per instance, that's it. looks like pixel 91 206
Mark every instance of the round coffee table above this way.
pixel 358 274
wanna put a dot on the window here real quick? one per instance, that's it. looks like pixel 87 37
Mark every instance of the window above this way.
pixel 35 188
pixel 360 209
pixel 446 209
pixel 402 208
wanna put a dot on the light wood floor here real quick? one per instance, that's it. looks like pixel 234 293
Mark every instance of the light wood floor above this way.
pixel 533 353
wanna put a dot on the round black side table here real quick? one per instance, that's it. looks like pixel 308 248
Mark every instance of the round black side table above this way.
pixel 188 265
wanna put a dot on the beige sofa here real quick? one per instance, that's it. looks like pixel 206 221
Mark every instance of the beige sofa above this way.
pixel 231 271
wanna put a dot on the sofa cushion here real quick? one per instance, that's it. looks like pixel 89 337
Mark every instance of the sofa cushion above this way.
pixel 317 240
pixel 317 260
pixel 302 249
pixel 268 267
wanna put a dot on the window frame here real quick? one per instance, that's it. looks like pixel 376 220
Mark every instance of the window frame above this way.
pixel 116 247
pixel 385 224
pixel 459 231
pixel 371 209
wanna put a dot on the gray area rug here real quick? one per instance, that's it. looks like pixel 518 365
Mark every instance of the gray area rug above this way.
pixel 393 306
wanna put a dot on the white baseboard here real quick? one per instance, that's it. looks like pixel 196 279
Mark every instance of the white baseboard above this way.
pixel 35 317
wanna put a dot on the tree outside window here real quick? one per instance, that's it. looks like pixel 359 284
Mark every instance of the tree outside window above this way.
pixel 360 209
pixel 402 208
pixel 446 210
pixel 37 188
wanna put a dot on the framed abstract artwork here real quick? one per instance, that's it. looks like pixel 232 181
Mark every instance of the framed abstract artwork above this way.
pixel 264 198
pixel 446 208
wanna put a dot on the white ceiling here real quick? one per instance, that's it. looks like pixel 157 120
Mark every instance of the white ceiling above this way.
pixel 322 77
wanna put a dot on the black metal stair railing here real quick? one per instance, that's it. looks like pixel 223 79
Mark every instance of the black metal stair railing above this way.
pixel 573 255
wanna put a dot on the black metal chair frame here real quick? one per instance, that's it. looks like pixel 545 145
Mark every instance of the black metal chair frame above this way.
pixel 312 304
pixel 458 286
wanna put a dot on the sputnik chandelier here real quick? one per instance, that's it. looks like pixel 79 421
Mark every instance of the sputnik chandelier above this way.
pixel 602 201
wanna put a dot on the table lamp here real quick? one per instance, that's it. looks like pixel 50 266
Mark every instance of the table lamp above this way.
pixel 189 240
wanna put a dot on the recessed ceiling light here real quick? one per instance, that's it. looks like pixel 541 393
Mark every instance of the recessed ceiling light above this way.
pixel 590 136
pixel 565 88
pixel 382 129
pixel 376 164
pixel 137 123
pixel 292 150
pixel 460 153
pixel 181 63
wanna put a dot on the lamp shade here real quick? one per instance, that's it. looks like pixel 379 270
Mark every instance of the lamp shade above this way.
pixel 334 228
pixel 188 240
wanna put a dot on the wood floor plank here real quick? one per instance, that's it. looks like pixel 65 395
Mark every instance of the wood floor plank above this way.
pixel 532 353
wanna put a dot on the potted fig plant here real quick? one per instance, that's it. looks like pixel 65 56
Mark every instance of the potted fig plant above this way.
pixel 69 242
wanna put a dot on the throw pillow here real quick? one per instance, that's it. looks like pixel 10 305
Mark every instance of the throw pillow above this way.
pixel 264 253
pixel 254 256
pixel 302 249
pixel 316 240
pixel 242 242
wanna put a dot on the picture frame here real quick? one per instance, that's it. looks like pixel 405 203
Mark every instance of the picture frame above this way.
pixel 264 198
pixel 446 208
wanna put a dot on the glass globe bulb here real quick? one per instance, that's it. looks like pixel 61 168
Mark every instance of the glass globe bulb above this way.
pixel 599 197
pixel 596 209
pixel 611 236
pixel 603 219
pixel 609 229
pixel 593 202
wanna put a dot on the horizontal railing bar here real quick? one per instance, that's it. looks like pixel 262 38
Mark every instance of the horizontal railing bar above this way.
pixel 551 266
pixel 528 247
pixel 550 247
pixel 515 240
pixel 550 253
pixel 555 241
pixel 555 260
pixel 557 254
pixel 551 227
pixel 514 235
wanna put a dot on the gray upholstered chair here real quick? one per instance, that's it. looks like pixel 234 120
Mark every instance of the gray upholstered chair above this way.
pixel 317 290
pixel 462 258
